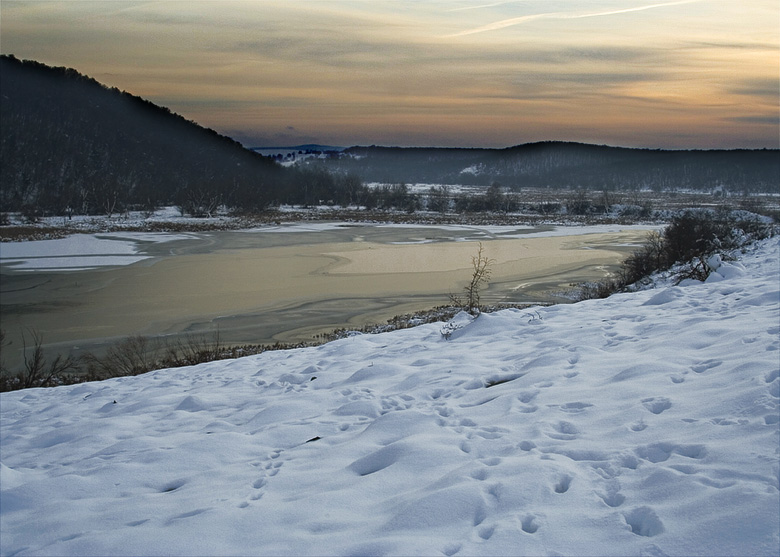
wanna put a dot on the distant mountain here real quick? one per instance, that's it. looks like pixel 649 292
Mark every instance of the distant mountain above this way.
pixel 309 147
pixel 71 145
pixel 564 165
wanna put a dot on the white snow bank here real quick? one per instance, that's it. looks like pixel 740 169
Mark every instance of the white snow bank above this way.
pixel 643 424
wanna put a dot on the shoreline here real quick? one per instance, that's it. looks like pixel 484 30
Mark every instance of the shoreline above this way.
pixel 291 290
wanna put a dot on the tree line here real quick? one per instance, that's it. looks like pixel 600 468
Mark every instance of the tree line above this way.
pixel 566 166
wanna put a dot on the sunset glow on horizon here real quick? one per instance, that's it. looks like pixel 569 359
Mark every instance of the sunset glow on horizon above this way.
pixel 480 73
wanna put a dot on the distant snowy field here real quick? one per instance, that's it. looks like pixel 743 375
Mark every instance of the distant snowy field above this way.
pixel 645 424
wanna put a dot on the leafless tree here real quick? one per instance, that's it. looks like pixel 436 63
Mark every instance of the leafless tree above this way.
pixel 480 278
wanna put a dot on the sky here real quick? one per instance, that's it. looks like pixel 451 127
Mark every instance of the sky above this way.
pixel 461 73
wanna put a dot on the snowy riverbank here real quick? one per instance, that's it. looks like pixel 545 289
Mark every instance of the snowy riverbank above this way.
pixel 643 424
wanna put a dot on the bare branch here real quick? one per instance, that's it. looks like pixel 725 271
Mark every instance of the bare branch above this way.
pixel 480 278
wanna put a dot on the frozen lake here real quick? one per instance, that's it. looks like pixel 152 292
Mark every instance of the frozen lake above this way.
pixel 284 283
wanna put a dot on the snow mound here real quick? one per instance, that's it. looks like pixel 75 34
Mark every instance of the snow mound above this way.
pixel 644 424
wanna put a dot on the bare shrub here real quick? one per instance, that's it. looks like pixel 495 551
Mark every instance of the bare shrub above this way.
pixel 131 356
pixel 3 344
pixel 596 290
pixel 578 203
pixel 139 354
pixel 480 278
pixel 36 371
pixel 194 349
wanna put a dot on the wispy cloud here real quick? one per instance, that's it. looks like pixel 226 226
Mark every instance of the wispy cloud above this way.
pixel 504 23
pixel 510 22
pixel 482 6
pixel 769 120
pixel 636 9
pixel 759 88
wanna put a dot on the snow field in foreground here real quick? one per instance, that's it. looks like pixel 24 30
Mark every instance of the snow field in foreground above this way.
pixel 643 424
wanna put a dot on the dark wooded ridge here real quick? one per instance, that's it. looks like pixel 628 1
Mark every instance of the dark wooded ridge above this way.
pixel 72 145
pixel 562 165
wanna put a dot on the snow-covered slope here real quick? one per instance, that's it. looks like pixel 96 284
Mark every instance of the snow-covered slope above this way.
pixel 644 424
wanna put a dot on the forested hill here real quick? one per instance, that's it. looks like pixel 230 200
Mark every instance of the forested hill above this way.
pixel 72 145
pixel 566 165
